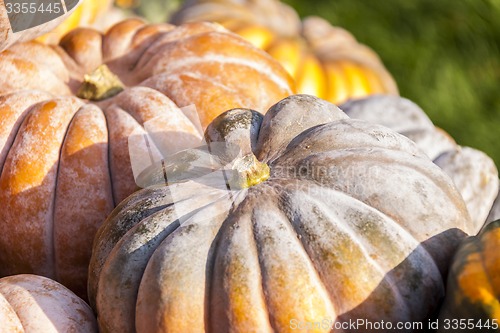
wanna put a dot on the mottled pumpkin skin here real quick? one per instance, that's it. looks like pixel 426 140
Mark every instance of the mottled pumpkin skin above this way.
pixel 324 60
pixel 33 304
pixel 474 280
pixel 7 37
pixel 473 172
pixel 353 222
pixel 65 162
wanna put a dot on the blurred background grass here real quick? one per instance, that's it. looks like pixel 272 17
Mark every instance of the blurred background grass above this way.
pixel 444 55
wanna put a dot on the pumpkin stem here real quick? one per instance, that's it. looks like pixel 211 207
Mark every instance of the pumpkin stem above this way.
pixel 100 84
pixel 249 172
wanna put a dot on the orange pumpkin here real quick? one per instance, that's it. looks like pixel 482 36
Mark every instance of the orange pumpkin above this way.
pixel 64 160
pixel 325 61
pixel 473 284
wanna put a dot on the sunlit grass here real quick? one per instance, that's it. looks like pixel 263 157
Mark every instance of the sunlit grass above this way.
pixel 445 56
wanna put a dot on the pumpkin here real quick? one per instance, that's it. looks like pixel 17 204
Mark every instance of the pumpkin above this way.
pixel 473 172
pixel 473 282
pixel 309 216
pixel 88 13
pixel 64 160
pixel 9 37
pixel 31 304
pixel 495 210
pixel 325 61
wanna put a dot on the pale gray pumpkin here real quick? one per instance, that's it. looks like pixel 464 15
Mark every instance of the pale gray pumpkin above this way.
pixel 495 210
pixel 36 304
pixel 353 221
pixel 473 172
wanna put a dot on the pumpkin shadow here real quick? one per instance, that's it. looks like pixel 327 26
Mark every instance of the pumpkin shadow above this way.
pixel 48 229
pixel 377 307
pixel 191 160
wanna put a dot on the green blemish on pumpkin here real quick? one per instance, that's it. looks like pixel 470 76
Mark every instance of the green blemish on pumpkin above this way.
pixel 415 279
pixel 142 229
pixel 190 228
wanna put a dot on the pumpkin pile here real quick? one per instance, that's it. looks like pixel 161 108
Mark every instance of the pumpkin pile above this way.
pixel 262 211
pixel 325 61
pixel 64 160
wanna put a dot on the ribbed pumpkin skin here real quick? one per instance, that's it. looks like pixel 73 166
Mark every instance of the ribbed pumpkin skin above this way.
pixel 473 172
pixel 354 222
pixel 474 280
pixel 325 61
pixel 33 304
pixel 65 162
pixel 85 15
pixel 7 37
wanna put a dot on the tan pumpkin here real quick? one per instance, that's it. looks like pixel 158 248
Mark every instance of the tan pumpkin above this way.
pixel 313 217
pixel 34 304
pixel 64 160
pixel 473 172
pixel 8 37
pixel 325 61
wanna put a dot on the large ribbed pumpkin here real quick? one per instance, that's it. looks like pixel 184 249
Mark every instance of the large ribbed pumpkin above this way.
pixel 473 287
pixel 8 37
pixel 325 61
pixel 64 161
pixel 317 217
pixel 473 172
pixel 35 304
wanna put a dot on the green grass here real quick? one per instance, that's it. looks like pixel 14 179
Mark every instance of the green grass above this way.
pixel 444 55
